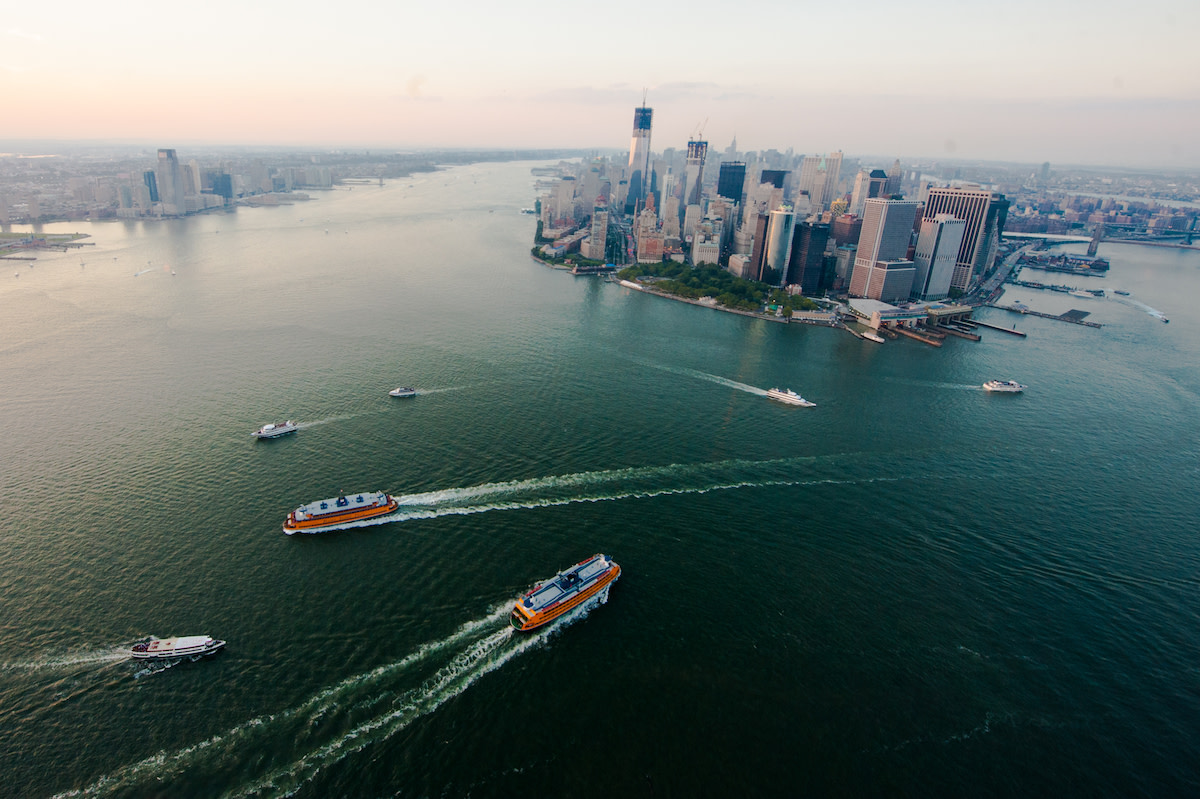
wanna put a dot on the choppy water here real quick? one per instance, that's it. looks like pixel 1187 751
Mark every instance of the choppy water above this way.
pixel 914 588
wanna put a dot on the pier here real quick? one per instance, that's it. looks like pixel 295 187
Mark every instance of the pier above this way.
pixel 1060 318
pixel 1013 331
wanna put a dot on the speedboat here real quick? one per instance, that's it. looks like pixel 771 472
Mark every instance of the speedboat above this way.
pixel 276 429
pixel 568 589
pixel 403 391
pixel 182 647
pixel 790 397
pixel 1004 386
pixel 329 514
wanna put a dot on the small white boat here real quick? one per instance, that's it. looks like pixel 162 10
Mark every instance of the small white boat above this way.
pixel 276 429
pixel 869 336
pixel 182 647
pixel 403 391
pixel 790 397
pixel 1004 386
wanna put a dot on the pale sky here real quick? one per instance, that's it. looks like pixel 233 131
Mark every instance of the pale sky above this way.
pixel 1096 82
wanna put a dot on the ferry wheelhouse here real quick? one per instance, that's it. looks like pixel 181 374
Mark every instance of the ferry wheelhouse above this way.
pixel 568 589
pixel 326 514
pixel 184 646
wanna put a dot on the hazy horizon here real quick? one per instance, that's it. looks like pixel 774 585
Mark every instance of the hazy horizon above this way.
pixel 1087 86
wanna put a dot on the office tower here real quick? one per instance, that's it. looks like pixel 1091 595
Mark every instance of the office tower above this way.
pixel 1045 176
pixel 844 269
pixel 937 252
pixel 599 232
pixel 730 180
pixel 819 178
pixel 670 219
pixel 697 151
pixel 706 242
pixel 691 217
pixel 151 182
pixel 775 177
pixel 808 257
pixel 984 224
pixel 886 231
pixel 170 182
pixel 779 246
pixel 833 176
pixel 758 246
pixel 846 229
pixel 889 281
pixel 639 158
pixel 564 199
pixel 895 177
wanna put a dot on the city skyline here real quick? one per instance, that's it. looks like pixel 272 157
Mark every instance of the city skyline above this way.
pixel 1063 84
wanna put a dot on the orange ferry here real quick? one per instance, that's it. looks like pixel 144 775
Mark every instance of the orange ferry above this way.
pixel 568 589
pixel 326 514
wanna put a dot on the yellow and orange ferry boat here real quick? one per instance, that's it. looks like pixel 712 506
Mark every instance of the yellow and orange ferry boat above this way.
pixel 568 589
pixel 328 514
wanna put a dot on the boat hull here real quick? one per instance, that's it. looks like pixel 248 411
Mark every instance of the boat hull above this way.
pixel 332 521
pixel 275 431
pixel 525 620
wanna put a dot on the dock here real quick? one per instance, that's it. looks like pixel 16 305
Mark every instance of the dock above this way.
pixel 923 339
pixel 1059 317
pixel 1013 331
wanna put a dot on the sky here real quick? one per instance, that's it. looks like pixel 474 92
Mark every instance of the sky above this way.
pixel 1065 81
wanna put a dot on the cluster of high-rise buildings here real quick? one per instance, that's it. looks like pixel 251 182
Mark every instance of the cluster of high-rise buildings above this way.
pixel 168 187
pixel 805 222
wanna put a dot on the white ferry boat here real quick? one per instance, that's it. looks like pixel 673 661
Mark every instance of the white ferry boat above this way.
pixel 182 647
pixel 276 429
pixel 1004 386
pixel 403 391
pixel 789 396
pixel 869 336
pixel 570 588
pixel 327 514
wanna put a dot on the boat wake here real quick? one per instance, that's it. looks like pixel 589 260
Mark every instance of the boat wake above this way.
pixel 144 271
pixel 612 485
pixel 935 384
pixel 1157 314
pixel 319 422
pixel 686 372
pixel 423 391
pixel 70 660
pixel 360 712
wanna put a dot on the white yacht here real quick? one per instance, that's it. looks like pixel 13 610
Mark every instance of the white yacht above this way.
pixel 869 336
pixel 1004 386
pixel 789 396
pixel 276 429
pixel 182 647
pixel 403 391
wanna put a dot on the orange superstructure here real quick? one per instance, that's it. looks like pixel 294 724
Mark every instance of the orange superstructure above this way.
pixel 568 589
pixel 327 514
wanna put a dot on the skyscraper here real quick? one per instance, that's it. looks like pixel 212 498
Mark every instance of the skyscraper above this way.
pixel 937 252
pixel 730 180
pixel 886 231
pixel 983 227
pixel 808 257
pixel 779 246
pixel 170 182
pixel 639 158
pixel 819 178
pixel 697 151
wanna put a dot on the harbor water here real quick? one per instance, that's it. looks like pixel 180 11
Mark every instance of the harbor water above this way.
pixel 915 588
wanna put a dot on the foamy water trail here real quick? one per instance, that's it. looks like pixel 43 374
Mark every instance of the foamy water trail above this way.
pixel 476 648
pixel 423 391
pixel 318 422
pixel 683 370
pixel 907 381
pixel 144 271
pixel 60 662
pixel 608 486
pixel 1157 314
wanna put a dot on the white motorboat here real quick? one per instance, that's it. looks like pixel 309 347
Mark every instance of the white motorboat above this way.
pixel 790 397
pixel 182 647
pixel 1004 386
pixel 276 429
pixel 403 391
